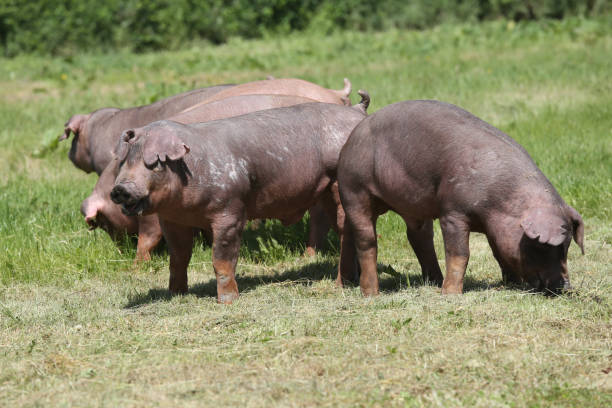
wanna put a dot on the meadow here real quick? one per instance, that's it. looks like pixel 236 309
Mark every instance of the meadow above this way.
pixel 80 327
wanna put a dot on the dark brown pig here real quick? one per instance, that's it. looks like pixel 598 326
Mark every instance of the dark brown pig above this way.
pixel 217 175
pixel 96 134
pixel 429 159
pixel 100 211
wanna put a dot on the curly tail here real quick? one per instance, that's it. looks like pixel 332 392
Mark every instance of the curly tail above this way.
pixel 362 106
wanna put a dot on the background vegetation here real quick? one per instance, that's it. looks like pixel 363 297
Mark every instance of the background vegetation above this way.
pixel 80 327
pixel 63 27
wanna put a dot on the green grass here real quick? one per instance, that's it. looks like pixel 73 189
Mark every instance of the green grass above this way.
pixel 80 327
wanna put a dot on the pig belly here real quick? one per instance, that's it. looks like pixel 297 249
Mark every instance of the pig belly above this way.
pixel 412 196
pixel 286 200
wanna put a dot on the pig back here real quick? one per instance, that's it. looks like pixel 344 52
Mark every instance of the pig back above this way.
pixel 106 125
pixel 236 106
pixel 423 153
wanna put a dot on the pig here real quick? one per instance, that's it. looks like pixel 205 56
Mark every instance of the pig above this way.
pixel 95 137
pixel 286 86
pixel 429 159
pixel 217 175
pixel 100 211
pixel 96 133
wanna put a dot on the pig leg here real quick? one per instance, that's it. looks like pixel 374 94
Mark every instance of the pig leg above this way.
pixel 227 232
pixel 318 227
pixel 508 276
pixel 348 270
pixel 456 234
pixel 420 235
pixel 361 228
pixel 180 245
pixel 149 235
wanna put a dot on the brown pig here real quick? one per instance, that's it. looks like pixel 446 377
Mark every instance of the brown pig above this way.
pixel 96 133
pixel 216 175
pixel 100 211
pixel 429 159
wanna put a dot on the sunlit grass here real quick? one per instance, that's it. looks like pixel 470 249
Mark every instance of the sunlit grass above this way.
pixel 80 326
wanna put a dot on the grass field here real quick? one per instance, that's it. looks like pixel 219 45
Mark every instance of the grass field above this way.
pixel 79 327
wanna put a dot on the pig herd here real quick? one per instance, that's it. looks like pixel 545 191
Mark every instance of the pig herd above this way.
pixel 213 158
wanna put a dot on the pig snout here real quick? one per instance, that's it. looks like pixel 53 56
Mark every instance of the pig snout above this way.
pixel 90 212
pixel 557 286
pixel 132 200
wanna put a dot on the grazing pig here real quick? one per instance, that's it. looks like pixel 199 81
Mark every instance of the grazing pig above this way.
pixel 429 159
pixel 216 175
pixel 100 211
pixel 96 134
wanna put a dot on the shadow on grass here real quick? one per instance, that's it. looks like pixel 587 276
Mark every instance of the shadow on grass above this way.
pixel 303 275
pixel 392 281
pixel 389 281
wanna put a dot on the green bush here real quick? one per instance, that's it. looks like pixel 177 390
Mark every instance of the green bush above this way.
pixel 65 26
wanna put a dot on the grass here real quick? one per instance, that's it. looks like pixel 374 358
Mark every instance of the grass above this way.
pixel 80 327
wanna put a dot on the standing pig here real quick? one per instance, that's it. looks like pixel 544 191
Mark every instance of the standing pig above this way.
pixel 96 134
pixel 429 159
pixel 100 211
pixel 216 175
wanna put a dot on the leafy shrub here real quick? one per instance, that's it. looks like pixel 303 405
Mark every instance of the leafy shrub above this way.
pixel 65 26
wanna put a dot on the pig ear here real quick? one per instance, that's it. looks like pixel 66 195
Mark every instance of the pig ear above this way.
pixel 123 146
pixel 578 227
pixel 545 226
pixel 344 92
pixel 75 124
pixel 166 147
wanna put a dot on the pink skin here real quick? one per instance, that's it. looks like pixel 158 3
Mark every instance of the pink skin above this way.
pixel 149 235
pixel 286 86
pixel 99 211
pixel 428 160
pixel 217 175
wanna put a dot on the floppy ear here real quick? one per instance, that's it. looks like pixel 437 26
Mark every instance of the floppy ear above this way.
pixel 578 227
pixel 75 124
pixel 544 225
pixel 163 146
pixel 123 146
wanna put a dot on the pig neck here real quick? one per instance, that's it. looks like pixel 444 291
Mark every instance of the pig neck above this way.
pixel 205 175
pixel 101 138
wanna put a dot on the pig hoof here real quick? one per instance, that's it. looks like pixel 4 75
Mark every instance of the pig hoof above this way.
pixel 452 291
pixel 227 298
pixel 369 292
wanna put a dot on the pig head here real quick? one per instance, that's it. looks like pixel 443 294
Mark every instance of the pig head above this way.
pixel 151 171
pixel 533 247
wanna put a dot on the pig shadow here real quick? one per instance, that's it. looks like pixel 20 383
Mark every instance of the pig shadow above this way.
pixel 392 281
pixel 389 281
pixel 303 275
